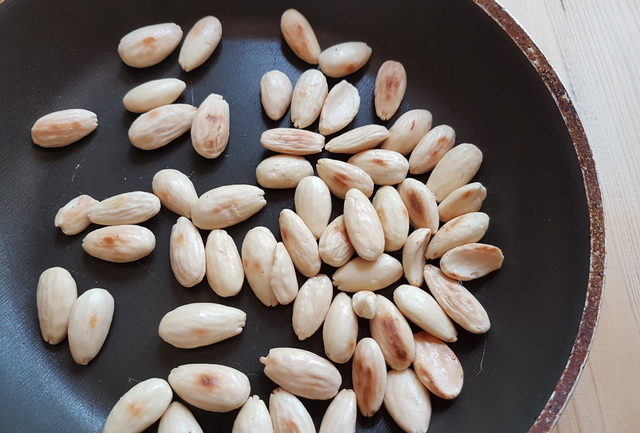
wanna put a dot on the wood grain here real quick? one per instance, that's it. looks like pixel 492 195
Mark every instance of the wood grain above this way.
pixel 595 48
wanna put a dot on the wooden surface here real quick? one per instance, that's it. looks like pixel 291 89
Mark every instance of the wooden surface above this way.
pixel 594 46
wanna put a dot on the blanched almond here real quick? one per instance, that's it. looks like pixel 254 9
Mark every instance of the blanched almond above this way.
pixel 313 203
pixel 200 43
pixel 292 141
pixel 360 274
pixel 226 206
pixel 463 200
pixel 72 218
pixel 62 128
pixel 340 177
pixel 456 168
pixel 308 98
pixel 369 375
pixel 365 304
pixel 178 419
pixel 89 323
pixel 420 203
pixel 175 191
pixel 407 401
pixel 288 414
pixel 335 247
pixel 340 330
pixel 225 273
pixel 153 94
pixel 471 261
pixel 358 139
pixel 393 217
pixel 210 128
pixel 55 295
pixel 413 256
pixel 284 282
pixel 407 131
pixel 363 225
pixel 282 171
pixel 186 253
pixel 437 366
pixel 465 229
pixel 419 307
pixel 299 35
pixel 386 167
pixel 340 416
pixel 339 109
pixel 431 148
pixel 128 208
pixel 392 332
pixel 149 45
pixel 258 252
pixel 253 417
pixel 275 94
pixel 300 243
pixel 119 244
pixel 344 59
pixel 160 126
pixel 391 84
pixel 311 306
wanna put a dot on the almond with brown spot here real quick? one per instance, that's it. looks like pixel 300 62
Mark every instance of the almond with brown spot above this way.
pixel 299 35
pixel 407 131
pixel 437 366
pixel 210 128
pixel 341 176
pixel 392 332
pixel 420 203
pixel 62 128
pixel 369 375
pixel 391 84
pixel 431 148
pixel 463 200
pixel 386 167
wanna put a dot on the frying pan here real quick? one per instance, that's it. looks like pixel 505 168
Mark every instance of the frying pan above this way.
pixel 468 62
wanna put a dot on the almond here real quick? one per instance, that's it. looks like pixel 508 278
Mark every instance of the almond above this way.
pixel 393 217
pixel 344 59
pixel 308 98
pixel 127 208
pixel 313 203
pixel 420 203
pixel 358 139
pixel 226 206
pixel 311 306
pixel 407 401
pixel 365 304
pixel 461 230
pixel 55 295
pixel 253 417
pixel 284 282
pixel 431 148
pixel 160 126
pixel 369 375
pixel 363 225
pixel 300 243
pixel 386 167
pixel 340 416
pixel 340 177
pixel 175 191
pixel 463 200
pixel 72 218
pixel 282 171
pixel 225 273
pixel 186 253
pixel 89 323
pixel 258 252
pixel 339 109
pixel 288 414
pixel 456 168
pixel 210 128
pixel 407 131
pixel 62 128
pixel 471 261
pixel 177 418
pixel 413 259
pixel 200 43
pixel 360 274
pixel 149 45
pixel 275 94
pixel 391 84
pixel 392 332
pixel 153 94
pixel 292 141
pixel 437 366
pixel 340 330
pixel 299 35
pixel 335 247
pixel 119 244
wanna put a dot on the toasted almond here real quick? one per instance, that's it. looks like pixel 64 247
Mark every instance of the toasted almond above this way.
pixel 420 203
pixel 335 247
pixel 456 168
pixel 459 304
pixel 200 43
pixel 407 131
pixel 369 375
pixel 140 407
pixel 311 306
pixel 431 148
pixel 62 128
pixel 313 203
pixel 437 366
pixel 149 45
pixel 358 139
pixel 200 324
pixel 210 128
pixel 119 244
pixel 471 261
pixel 258 252
pixel 175 191
pixel 275 94
pixel 300 243
pixel 465 229
pixel 72 218
pixel 186 253
pixel 253 417
pixel 340 330
pixel 302 373
pixel 407 401
pixel 153 94
pixel 160 126
pixel 211 387
pixel 89 323
pixel 308 98
pixel 178 419
pixel 284 282
pixel 463 200
pixel 393 217
pixel 282 171
pixel 288 414
pixel 419 307
pixel 55 295
pixel 226 206
pixel 391 84
pixel 365 304
pixel 341 176
pixel 339 109
pixel 225 273
pixel 386 167
pixel 360 274
pixel 127 208
pixel 292 141
pixel 363 225
pixel 340 416
pixel 392 332
pixel 299 35
pixel 344 59
pixel 413 259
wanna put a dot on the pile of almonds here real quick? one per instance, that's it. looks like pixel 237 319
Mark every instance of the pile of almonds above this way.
pixel 373 224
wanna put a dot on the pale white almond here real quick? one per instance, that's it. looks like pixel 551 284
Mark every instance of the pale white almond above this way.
pixel 437 366
pixel 391 84
pixel 369 375
pixel 363 225
pixel 386 167
pixel 311 306
pixel 258 252
pixel 149 45
pixel 210 128
pixel 339 109
pixel 365 304
pixel 160 126
pixel 466 199
pixel 288 414
pixel 312 201
pixel 211 387
pixel 358 139
pixel 292 141
pixel 407 401
pixel 360 274
pixel 72 218
pixel 431 148
pixel 55 295
pixel 127 208
pixel 253 418
pixel 275 94
pixel 344 59
pixel 419 307
pixel 308 98
pixel 393 217
pixel 456 168
pixel 284 282
pixel 340 330
pixel 420 203
pixel 407 131
pixel 471 261
pixel 119 244
pixel 465 229
pixel 153 94
pixel 459 304
pixel 200 324
pixel 340 416
pixel 175 191
pixel 186 253
pixel 335 247
pixel 200 43
pixel 300 243
pixel 178 419
pixel 89 323
pixel 392 332
pixel 140 407
pixel 62 128
pixel 341 176
pixel 299 35
pixel 413 259
pixel 226 206
pixel 225 273
pixel 282 171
